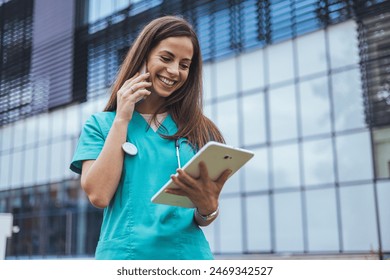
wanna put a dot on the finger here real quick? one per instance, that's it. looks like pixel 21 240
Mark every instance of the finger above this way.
pixel 182 185
pixel 223 177
pixel 136 78
pixel 131 79
pixel 185 177
pixel 139 94
pixel 141 78
pixel 204 173
pixel 176 192
pixel 136 86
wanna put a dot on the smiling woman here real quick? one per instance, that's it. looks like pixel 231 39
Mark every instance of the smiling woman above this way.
pixel 163 69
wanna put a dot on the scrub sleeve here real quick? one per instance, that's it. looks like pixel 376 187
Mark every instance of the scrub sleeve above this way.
pixel 133 227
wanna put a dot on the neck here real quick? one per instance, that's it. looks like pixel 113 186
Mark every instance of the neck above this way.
pixel 150 105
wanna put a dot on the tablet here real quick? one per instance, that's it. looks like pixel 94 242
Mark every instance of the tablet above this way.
pixel 217 157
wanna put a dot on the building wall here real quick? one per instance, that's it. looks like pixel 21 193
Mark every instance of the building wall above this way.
pixel 298 104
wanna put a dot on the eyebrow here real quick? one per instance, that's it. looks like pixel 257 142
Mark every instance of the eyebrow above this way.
pixel 171 54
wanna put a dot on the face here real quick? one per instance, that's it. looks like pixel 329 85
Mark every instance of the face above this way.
pixel 169 65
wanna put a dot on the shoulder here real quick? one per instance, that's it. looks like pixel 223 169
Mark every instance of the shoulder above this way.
pixel 104 116
pixel 101 120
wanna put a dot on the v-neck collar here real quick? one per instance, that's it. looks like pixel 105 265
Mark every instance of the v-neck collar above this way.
pixel 167 127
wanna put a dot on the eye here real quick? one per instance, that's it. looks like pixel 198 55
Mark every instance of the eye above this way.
pixel 165 58
pixel 184 66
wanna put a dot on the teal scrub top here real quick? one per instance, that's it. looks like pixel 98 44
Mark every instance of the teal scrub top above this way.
pixel 133 227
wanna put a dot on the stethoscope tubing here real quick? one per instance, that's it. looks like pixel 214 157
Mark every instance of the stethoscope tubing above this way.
pixel 131 149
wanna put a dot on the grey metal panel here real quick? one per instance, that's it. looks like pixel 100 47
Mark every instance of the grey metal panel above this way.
pixel 52 52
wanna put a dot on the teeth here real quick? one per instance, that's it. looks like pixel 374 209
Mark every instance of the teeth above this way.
pixel 166 81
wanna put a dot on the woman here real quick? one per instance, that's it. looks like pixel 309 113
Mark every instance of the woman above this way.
pixel 151 111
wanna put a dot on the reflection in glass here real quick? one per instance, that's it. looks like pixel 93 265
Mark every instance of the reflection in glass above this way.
pixel 252 73
pixel 311 53
pixel 343 44
pixel 288 222
pixel 99 9
pixel 42 164
pixel 354 157
pixel 72 121
pixel 233 184
pixel 6 137
pixel 207 82
pixel 322 220
pixel 280 62
pixel 285 169
pixel 348 100
pixel 315 107
pixel 17 163
pixel 227 121
pixel 68 154
pixel 204 21
pixel 384 213
pixel 231 230
pixel 381 139
pixel 256 171
pixel 253 119
pixel 318 162
pixel 29 167
pixel 57 123
pixel 359 226
pixel 223 37
pixel 249 22
pixel 281 20
pixel 258 224
pixel 283 113
pixel 87 109
pixel 57 163
pixel 31 130
pixel 43 127
pixel 19 133
pixel 4 170
pixel 208 110
pixel 226 78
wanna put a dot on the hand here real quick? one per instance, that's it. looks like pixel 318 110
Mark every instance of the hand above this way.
pixel 133 90
pixel 202 191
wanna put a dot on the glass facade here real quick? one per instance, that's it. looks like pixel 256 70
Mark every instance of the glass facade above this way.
pixel 283 78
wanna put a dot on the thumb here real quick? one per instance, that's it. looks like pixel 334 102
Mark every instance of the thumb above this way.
pixel 223 177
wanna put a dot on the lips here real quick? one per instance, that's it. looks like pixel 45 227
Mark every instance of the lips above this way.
pixel 167 81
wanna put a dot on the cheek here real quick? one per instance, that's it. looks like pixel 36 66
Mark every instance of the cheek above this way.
pixel 185 77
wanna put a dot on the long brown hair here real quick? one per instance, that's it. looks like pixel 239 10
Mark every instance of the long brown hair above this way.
pixel 185 104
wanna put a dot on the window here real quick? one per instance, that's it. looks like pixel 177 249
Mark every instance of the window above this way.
pixel 16 39
pixel 346 147
pixel 381 138
pixel 374 35
pixel 359 228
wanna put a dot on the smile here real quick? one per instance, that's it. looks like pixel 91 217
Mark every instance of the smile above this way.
pixel 166 81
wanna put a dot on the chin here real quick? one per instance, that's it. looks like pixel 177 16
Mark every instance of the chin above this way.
pixel 165 93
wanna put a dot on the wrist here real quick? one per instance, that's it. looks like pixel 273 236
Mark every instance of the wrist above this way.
pixel 209 216
pixel 118 121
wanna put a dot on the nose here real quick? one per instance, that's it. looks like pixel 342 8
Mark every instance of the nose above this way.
pixel 173 69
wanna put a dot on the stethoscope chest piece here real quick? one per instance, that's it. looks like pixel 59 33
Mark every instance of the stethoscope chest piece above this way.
pixel 129 148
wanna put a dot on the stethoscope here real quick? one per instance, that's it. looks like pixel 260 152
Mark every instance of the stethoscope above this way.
pixel 131 149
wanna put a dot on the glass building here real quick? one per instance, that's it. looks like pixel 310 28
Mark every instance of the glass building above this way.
pixel 305 84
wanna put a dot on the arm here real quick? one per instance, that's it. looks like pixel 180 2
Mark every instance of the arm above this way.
pixel 100 177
